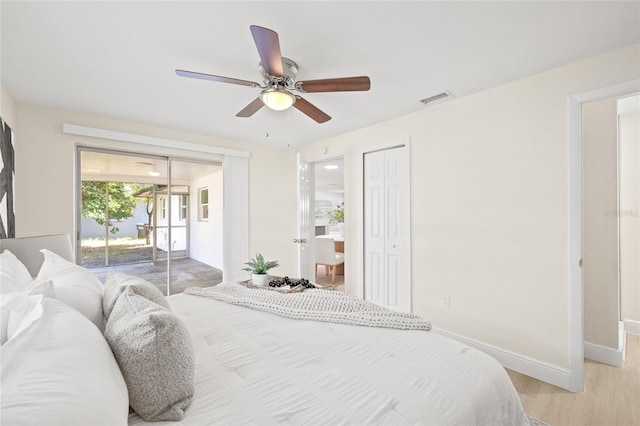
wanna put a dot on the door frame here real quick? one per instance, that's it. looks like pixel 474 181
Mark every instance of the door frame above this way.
pixel 576 295
pixel 235 167
pixel 310 244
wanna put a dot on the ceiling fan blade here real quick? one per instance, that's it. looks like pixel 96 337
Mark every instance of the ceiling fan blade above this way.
pixel 252 108
pixel 268 45
pixel 201 76
pixel 346 84
pixel 311 110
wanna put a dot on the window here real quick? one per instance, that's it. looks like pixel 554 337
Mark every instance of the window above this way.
pixel 163 202
pixel 203 204
pixel 183 207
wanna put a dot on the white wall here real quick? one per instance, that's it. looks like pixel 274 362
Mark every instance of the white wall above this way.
pixel 179 226
pixel 206 236
pixel 629 142
pixel 334 197
pixel 45 172
pixel 600 221
pixel 126 228
pixel 273 207
pixel 8 107
pixel 489 180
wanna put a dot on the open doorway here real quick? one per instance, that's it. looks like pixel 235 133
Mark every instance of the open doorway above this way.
pixel 329 210
pixel 577 295
pixel 155 217
pixel 611 235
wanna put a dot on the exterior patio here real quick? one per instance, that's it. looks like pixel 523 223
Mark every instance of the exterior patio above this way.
pixel 186 273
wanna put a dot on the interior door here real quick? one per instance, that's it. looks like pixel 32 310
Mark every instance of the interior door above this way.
pixel 387 246
pixel 306 225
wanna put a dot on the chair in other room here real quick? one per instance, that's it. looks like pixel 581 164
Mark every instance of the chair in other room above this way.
pixel 326 255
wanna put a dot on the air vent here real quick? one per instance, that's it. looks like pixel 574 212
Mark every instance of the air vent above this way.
pixel 437 98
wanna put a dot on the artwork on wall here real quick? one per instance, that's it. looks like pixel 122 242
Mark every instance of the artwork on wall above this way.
pixel 7 175
pixel 323 211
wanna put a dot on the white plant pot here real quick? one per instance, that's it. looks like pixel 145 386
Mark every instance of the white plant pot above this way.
pixel 259 279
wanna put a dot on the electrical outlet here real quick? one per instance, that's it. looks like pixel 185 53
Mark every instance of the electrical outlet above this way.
pixel 446 302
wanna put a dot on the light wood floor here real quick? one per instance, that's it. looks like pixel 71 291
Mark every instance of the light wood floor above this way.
pixel 611 395
pixel 323 279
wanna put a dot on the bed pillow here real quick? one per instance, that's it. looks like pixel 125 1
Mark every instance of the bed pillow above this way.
pixel 20 309
pixel 74 285
pixel 13 274
pixel 153 349
pixel 117 281
pixel 61 371
pixel 17 312
pixel 41 288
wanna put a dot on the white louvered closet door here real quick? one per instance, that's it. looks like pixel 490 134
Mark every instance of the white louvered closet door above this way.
pixel 387 221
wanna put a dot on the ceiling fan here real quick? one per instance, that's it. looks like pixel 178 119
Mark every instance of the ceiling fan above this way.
pixel 279 80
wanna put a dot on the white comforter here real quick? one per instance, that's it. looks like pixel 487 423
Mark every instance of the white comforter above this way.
pixel 256 368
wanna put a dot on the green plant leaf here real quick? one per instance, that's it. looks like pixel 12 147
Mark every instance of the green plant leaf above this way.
pixel 259 265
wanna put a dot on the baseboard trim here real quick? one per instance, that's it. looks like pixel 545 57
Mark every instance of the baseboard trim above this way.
pixel 603 354
pixel 531 367
pixel 632 327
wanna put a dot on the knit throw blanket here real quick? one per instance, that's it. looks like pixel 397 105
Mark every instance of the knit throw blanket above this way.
pixel 312 304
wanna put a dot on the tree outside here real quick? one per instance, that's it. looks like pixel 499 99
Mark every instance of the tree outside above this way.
pixel 121 205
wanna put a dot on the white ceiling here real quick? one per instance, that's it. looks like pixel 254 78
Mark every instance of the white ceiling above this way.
pixel 126 168
pixel 329 180
pixel 118 59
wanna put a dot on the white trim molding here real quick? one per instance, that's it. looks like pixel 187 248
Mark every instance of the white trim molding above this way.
pixel 632 327
pixel 603 354
pixel 94 132
pixel 576 332
pixel 540 370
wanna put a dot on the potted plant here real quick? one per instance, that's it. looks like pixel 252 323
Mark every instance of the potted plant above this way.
pixel 337 215
pixel 258 268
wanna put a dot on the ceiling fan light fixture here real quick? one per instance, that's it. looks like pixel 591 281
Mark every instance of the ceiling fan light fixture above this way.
pixel 277 99
pixel 279 79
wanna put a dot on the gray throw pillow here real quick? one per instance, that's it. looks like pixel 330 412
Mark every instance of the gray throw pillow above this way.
pixel 117 281
pixel 153 349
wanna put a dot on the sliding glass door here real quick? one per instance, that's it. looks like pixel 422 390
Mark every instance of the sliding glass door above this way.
pixel 155 217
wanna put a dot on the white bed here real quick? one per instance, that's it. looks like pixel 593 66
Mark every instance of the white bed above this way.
pixel 254 367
